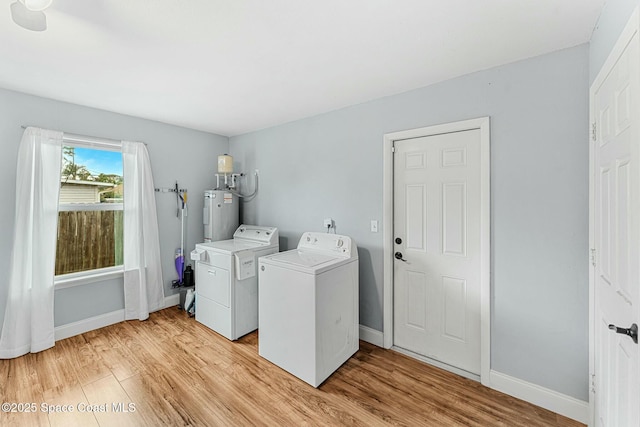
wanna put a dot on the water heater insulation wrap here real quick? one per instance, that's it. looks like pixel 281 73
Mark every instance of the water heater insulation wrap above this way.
pixel 225 164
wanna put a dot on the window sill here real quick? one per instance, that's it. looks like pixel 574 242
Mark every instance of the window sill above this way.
pixel 85 277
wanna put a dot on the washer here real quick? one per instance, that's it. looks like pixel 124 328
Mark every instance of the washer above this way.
pixel 227 280
pixel 308 306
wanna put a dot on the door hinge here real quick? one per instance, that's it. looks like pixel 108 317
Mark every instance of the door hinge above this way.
pixel 593 131
pixel 593 257
pixel 593 383
pixel 393 149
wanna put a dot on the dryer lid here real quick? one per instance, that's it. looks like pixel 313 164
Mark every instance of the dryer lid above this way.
pixel 228 246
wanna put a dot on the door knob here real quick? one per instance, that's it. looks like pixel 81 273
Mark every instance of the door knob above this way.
pixel 398 255
pixel 632 331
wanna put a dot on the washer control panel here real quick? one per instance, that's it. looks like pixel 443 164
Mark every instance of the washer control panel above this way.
pixel 334 244
pixel 255 233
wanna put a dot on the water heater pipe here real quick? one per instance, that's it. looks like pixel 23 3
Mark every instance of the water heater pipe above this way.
pixel 255 188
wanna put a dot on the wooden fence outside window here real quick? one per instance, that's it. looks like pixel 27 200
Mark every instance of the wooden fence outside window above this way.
pixel 88 240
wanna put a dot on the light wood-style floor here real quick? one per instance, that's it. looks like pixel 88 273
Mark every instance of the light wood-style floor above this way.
pixel 174 371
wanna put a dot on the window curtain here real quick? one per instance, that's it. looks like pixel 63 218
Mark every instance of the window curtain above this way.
pixel 143 284
pixel 28 316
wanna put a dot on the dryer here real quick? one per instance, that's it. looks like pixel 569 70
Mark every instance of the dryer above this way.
pixel 227 279
pixel 308 306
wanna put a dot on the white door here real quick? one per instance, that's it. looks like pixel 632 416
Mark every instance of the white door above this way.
pixel 437 230
pixel 616 234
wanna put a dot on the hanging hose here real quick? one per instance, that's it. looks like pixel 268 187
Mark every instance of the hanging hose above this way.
pixel 248 196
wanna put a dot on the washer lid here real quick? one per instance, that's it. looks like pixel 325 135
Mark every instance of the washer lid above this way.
pixel 308 262
pixel 303 258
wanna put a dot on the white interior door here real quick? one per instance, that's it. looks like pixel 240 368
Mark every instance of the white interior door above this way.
pixel 437 245
pixel 616 234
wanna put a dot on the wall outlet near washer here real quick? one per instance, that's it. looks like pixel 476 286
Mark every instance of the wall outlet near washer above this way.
pixel 328 223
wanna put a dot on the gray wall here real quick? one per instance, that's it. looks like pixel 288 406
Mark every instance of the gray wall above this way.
pixel 176 153
pixel 331 166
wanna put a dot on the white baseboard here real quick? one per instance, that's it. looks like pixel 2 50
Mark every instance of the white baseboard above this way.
pixel 92 323
pixel 172 300
pixel 371 335
pixel 552 400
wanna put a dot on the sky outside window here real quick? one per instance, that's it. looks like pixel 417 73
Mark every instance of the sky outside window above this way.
pixel 99 161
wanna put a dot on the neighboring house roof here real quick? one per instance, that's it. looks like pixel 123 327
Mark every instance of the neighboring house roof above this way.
pixel 79 182
pixel 77 191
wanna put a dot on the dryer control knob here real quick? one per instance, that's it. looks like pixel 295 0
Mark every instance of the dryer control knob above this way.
pixel 339 243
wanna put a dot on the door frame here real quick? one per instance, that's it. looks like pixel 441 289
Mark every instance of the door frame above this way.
pixel 482 124
pixel 631 28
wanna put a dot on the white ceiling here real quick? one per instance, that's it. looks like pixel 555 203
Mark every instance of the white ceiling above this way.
pixel 234 66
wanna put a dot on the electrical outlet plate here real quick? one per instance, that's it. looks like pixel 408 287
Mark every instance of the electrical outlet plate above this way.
pixel 328 223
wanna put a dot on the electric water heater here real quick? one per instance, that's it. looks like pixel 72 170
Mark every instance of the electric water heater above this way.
pixel 221 215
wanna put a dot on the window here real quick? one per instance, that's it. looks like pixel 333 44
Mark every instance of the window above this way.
pixel 90 215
